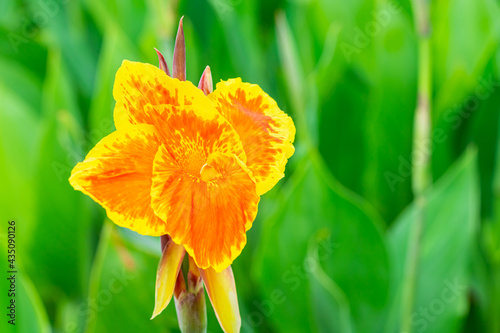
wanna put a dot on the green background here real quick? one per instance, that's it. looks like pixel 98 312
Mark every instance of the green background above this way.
pixel 340 244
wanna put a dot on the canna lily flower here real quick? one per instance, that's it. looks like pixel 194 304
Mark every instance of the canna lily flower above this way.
pixel 188 164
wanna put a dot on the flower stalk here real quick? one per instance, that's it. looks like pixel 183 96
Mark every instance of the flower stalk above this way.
pixel 421 167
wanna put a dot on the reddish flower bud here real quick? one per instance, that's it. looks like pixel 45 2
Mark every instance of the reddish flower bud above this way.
pixel 206 84
pixel 162 63
pixel 179 63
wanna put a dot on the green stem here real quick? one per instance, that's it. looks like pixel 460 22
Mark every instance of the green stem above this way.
pixel 422 122
pixel 190 304
pixel 191 311
pixel 421 153
pixel 410 273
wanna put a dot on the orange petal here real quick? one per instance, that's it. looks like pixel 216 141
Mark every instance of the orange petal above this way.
pixel 267 132
pixel 138 85
pixel 195 132
pixel 210 201
pixel 117 174
pixel 166 276
pixel 222 293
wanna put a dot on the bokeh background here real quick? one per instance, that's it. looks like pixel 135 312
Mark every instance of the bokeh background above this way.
pixel 340 245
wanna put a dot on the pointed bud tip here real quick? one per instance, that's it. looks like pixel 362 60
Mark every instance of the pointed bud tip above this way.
pixel 158 309
pixel 179 62
pixel 206 84
pixel 160 304
pixel 155 313
pixel 162 63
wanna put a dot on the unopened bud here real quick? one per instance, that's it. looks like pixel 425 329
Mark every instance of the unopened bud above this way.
pixel 162 63
pixel 206 84
pixel 179 63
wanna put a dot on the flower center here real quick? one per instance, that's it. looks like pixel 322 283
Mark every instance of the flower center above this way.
pixel 208 173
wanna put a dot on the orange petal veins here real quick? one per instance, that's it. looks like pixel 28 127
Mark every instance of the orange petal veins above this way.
pixel 196 131
pixel 222 293
pixel 117 174
pixel 209 216
pixel 166 276
pixel 138 85
pixel 267 132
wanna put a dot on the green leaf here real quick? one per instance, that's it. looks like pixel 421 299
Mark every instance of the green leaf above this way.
pixel 330 306
pixel 129 18
pixel 65 261
pixel 18 133
pixel 30 306
pixel 22 83
pixel 463 46
pixel 115 49
pixel 62 216
pixel 122 287
pixel 443 231
pixel 461 53
pixel 19 47
pixel 365 113
pixel 241 37
pixel 360 271
pixel 71 41
pixel 22 303
pixel 483 125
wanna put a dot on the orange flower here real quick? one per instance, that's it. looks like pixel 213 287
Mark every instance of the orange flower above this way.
pixel 191 166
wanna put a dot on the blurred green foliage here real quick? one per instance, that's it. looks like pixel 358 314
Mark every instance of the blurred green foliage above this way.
pixel 339 245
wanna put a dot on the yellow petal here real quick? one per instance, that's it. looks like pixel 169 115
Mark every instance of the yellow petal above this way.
pixel 267 132
pixel 222 293
pixel 166 276
pixel 138 85
pixel 117 174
